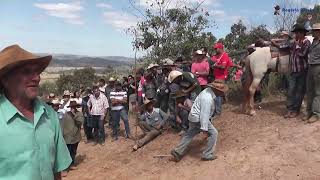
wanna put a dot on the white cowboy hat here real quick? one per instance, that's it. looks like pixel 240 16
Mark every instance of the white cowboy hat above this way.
pixel 173 75
pixel 55 102
pixel 316 26
pixel 168 62
pixel 199 52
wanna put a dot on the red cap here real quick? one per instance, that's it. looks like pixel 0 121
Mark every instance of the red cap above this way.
pixel 218 46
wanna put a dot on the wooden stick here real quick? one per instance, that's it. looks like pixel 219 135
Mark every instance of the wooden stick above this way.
pixel 161 156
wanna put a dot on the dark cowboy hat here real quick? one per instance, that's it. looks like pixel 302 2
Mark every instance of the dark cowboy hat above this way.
pixel 13 56
pixel 299 28
pixel 73 104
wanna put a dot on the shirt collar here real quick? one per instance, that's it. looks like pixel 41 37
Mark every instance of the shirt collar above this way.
pixel 9 110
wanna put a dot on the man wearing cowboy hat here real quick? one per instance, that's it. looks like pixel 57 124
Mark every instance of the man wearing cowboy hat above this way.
pixel 199 122
pixel 313 80
pixel 183 107
pixel 110 87
pixel 32 144
pixel 65 101
pixel 71 128
pixel 150 122
pixel 298 70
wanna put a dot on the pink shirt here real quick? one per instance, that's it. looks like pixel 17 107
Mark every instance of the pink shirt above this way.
pixel 201 67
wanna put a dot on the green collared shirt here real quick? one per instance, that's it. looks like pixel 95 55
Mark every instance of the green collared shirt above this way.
pixel 31 150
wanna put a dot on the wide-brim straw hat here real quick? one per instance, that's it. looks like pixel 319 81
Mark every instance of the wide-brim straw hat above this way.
pixel 219 85
pixel 13 56
pixel 66 93
pixel 147 101
pixel 173 75
pixel 168 62
pixel 112 79
pixel 316 26
pixel 152 66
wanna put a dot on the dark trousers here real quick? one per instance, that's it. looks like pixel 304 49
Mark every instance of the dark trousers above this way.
pixel 73 152
pixel 88 129
pixel 183 114
pixel 116 115
pixel 296 90
pixel 100 128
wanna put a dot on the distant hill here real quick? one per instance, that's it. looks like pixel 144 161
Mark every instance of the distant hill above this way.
pixel 67 60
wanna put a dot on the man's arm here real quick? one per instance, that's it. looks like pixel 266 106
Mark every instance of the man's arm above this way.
pixel 205 110
pixel 304 50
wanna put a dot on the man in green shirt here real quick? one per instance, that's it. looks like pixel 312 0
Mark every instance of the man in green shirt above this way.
pixel 32 144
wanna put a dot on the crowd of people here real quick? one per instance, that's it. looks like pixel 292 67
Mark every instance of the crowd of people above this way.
pixel 184 95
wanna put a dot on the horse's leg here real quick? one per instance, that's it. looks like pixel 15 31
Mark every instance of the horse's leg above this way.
pixel 253 87
pixel 246 92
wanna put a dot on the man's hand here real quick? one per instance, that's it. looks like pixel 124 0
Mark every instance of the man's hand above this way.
pixel 102 118
pixel 204 135
pixel 180 105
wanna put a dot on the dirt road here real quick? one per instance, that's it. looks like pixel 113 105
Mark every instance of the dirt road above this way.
pixel 266 146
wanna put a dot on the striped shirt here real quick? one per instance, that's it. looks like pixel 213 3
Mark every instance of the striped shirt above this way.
pixel 299 56
pixel 98 106
pixel 118 95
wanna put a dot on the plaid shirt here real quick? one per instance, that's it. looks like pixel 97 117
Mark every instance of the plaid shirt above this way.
pixel 98 106
pixel 299 56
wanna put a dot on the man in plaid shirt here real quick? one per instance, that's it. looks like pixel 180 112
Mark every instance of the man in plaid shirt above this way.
pixel 98 105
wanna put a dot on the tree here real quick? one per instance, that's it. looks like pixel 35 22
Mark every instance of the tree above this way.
pixel 79 79
pixel 171 32
pixel 313 13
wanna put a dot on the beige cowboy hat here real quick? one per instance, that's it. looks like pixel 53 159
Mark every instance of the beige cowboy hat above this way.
pixel 66 93
pixel 12 56
pixel 147 101
pixel 173 75
pixel 52 95
pixel 219 85
pixel 316 26
pixel 112 79
pixel 168 62
pixel 152 66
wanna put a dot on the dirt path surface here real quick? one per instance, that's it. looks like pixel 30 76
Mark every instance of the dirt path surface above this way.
pixel 266 146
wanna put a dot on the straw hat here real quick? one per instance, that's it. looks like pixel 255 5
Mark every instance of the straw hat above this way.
pixel 55 102
pixel 219 85
pixel 51 95
pixel 168 62
pixel 152 66
pixel 112 79
pixel 147 101
pixel 66 93
pixel 200 52
pixel 316 26
pixel 14 55
pixel 173 75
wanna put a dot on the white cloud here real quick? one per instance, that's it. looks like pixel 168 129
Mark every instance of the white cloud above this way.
pixel 119 20
pixel 69 12
pixel 104 5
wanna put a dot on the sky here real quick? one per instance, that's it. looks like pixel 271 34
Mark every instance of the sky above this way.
pixel 97 27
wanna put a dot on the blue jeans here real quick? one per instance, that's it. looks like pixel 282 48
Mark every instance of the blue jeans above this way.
pixel 296 90
pixel 116 115
pixel 194 129
pixel 218 101
pixel 101 132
